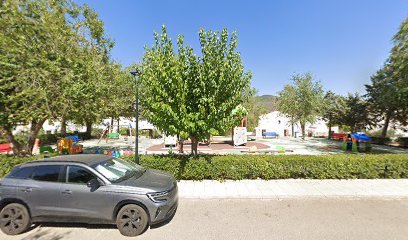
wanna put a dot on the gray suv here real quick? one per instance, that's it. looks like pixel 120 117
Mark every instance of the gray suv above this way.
pixel 86 188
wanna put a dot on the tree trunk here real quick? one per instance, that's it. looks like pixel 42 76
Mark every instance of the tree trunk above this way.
pixel 88 129
pixel 194 145
pixel 293 128
pixel 63 126
pixel 118 128
pixel 302 126
pixel 330 131
pixel 330 127
pixel 16 146
pixel 386 124
pixel 181 146
pixel 35 128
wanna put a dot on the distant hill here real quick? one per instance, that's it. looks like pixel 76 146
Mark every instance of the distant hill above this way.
pixel 267 102
pixel 260 105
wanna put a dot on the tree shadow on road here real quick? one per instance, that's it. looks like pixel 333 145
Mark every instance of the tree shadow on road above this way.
pixel 44 234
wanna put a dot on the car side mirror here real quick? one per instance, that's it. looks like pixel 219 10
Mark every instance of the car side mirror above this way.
pixel 93 184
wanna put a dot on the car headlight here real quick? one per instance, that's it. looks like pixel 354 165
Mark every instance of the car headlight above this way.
pixel 158 196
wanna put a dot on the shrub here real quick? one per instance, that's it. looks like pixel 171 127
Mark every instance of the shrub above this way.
pixel 7 163
pixel 97 132
pixel 47 139
pixel 403 141
pixel 236 167
pixel 380 141
pixel 124 131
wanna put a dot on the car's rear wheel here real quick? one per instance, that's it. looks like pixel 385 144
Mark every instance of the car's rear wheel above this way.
pixel 14 219
pixel 131 220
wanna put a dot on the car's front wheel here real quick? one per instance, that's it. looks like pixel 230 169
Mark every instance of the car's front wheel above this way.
pixel 14 219
pixel 131 220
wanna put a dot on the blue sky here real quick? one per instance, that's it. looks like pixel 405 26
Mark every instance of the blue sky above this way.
pixel 342 42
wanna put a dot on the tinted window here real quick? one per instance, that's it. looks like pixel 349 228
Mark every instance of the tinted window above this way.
pixel 22 172
pixel 48 173
pixel 79 175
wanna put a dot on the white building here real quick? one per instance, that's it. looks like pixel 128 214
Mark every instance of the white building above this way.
pixel 54 127
pixel 276 122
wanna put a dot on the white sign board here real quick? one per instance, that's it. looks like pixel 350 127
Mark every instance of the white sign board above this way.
pixel 240 137
pixel 170 140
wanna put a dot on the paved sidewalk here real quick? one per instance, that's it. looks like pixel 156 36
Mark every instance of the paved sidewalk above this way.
pixel 294 188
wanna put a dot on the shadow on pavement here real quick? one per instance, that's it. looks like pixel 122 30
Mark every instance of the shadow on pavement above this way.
pixel 44 234
pixel 38 231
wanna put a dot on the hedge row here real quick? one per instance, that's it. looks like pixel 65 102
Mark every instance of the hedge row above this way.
pixel 236 167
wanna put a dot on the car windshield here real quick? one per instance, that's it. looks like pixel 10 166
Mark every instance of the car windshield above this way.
pixel 116 170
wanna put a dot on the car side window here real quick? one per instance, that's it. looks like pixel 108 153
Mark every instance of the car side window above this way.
pixel 79 175
pixel 47 173
pixel 22 172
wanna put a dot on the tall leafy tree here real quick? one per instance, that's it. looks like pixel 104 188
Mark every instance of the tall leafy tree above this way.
pixel 334 107
pixel 189 95
pixel 399 68
pixel 387 94
pixel 47 52
pixel 383 100
pixel 302 101
pixel 355 116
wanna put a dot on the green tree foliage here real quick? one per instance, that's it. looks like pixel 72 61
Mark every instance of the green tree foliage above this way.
pixel 302 101
pixel 54 64
pixel 189 95
pixel 399 65
pixel 355 116
pixel 387 95
pixel 334 107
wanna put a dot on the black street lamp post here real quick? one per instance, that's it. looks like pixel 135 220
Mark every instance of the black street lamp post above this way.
pixel 136 74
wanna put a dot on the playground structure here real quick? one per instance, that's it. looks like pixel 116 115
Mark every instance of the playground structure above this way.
pixel 5 148
pixel 67 146
pixel 338 136
pixel 356 142
pixel 109 133
pixel 113 152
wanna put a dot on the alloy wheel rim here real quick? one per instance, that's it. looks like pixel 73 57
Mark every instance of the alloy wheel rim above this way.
pixel 12 220
pixel 131 220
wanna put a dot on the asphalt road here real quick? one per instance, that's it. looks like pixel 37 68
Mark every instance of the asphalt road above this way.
pixel 259 219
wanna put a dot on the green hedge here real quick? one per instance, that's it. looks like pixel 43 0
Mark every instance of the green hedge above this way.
pixel 236 167
pixel 8 162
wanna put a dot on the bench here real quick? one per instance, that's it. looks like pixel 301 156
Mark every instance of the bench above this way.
pixel 270 134
pixel 5 148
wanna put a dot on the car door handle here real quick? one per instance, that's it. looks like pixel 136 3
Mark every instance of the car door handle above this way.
pixel 27 189
pixel 67 192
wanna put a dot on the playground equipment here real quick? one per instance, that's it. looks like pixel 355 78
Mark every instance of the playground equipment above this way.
pixel 66 146
pixel 5 148
pixel 356 143
pixel 46 149
pixel 338 136
pixel 115 152
pixel 75 138
pixel 109 134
